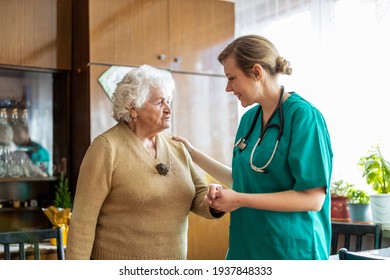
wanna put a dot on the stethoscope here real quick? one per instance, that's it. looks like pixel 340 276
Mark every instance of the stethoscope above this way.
pixel 241 142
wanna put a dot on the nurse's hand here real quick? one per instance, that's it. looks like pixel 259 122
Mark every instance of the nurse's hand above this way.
pixel 225 200
pixel 186 143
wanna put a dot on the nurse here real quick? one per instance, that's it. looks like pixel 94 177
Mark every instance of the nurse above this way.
pixel 278 187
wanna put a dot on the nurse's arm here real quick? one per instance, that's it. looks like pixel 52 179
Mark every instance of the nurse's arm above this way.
pixel 213 167
pixel 285 201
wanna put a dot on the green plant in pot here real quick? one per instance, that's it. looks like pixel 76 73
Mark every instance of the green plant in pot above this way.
pixel 60 213
pixel 359 205
pixel 357 196
pixel 339 206
pixel 339 187
pixel 376 171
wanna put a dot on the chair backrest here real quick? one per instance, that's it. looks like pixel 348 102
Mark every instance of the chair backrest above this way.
pixel 344 254
pixel 33 237
pixel 357 230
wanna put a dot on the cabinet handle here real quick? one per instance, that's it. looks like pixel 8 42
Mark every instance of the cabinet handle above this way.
pixel 178 59
pixel 162 57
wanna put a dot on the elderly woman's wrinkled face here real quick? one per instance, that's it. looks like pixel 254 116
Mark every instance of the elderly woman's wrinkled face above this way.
pixel 155 116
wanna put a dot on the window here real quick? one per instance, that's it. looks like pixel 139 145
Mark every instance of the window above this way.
pixel 340 59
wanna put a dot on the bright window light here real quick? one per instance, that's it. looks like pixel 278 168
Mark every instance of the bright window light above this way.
pixel 339 51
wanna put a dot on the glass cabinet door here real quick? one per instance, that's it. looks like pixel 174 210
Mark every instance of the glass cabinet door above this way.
pixel 33 144
pixel 26 106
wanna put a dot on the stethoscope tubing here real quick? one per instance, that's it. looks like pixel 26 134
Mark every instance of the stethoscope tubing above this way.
pixel 263 168
pixel 241 142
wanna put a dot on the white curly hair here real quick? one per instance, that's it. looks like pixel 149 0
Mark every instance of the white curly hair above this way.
pixel 135 88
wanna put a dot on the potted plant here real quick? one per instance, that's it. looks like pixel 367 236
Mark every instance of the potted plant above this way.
pixel 339 206
pixel 376 171
pixel 359 205
pixel 59 214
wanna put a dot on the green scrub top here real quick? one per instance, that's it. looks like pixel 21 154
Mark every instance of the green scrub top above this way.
pixel 303 160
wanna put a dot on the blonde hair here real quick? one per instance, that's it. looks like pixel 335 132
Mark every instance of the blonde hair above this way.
pixel 135 88
pixel 254 49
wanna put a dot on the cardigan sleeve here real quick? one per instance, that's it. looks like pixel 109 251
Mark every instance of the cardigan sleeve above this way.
pixel 93 185
pixel 199 206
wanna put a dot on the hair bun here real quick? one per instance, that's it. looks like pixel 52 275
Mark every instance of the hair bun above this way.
pixel 283 66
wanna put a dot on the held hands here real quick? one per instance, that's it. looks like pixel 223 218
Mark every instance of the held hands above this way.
pixel 224 200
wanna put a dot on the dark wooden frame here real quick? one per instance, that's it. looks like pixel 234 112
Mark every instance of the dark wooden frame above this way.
pixel 357 229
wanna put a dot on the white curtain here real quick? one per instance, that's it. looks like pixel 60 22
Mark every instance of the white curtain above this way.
pixel 340 54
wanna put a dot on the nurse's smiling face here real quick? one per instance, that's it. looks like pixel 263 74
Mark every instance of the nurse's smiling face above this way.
pixel 242 85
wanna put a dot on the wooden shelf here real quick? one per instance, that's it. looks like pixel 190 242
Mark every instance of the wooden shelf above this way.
pixel 21 209
pixel 29 179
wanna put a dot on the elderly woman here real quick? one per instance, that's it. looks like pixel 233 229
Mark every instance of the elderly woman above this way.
pixel 136 186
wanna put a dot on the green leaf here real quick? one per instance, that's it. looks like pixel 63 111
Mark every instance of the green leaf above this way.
pixel 386 165
pixel 371 164
pixel 376 170
pixel 63 197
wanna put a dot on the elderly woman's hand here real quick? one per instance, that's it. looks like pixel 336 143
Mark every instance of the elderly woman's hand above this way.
pixel 222 200
pixel 210 196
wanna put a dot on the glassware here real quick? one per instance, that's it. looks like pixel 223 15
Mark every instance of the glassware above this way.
pixel 3 116
pixel 3 163
pixel 15 167
pixel 14 117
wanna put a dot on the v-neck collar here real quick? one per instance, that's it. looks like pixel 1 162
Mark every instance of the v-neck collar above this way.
pixel 162 150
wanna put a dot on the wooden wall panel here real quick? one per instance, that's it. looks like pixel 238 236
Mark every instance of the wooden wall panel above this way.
pixel 208 239
pixel 36 33
pixel 129 32
pixel 199 31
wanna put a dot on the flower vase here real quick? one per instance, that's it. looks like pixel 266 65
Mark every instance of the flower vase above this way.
pixel 339 209
pixel 380 207
pixel 65 229
pixel 360 212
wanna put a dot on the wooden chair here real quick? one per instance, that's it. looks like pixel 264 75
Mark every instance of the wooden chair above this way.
pixel 32 237
pixel 355 229
pixel 344 254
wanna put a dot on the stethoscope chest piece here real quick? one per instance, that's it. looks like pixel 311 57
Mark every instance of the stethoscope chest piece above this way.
pixel 240 144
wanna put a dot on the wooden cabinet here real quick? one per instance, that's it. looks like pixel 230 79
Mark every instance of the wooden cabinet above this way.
pixel 199 30
pixel 36 33
pixel 175 34
pixel 129 32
